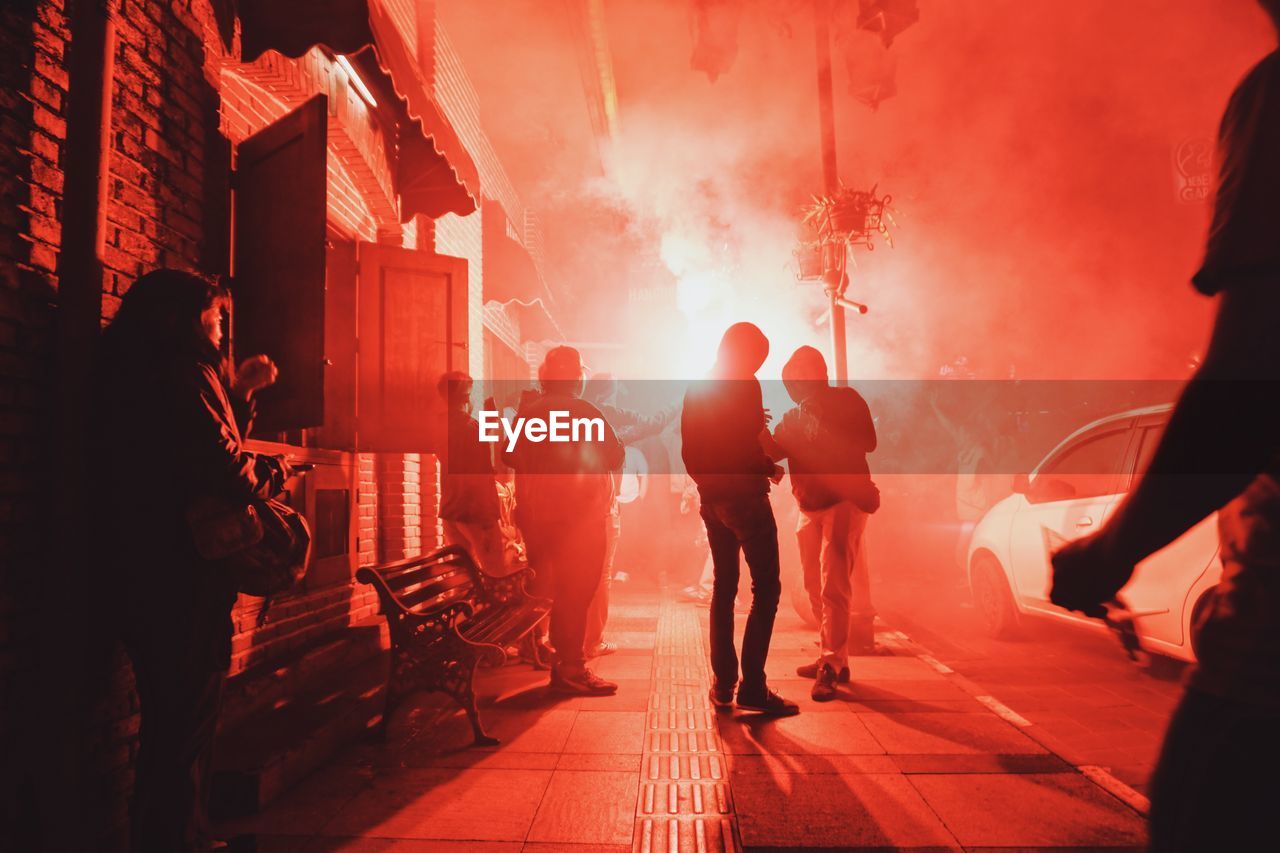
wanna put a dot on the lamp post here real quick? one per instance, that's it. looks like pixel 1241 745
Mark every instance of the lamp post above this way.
pixel 830 181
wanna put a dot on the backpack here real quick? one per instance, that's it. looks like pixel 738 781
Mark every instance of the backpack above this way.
pixel 264 545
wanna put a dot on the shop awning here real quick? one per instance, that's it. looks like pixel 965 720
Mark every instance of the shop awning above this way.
pixel 435 174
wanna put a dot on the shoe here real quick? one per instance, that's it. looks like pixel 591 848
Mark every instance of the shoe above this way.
pixel 586 683
pixel 767 702
pixel 810 670
pixel 695 595
pixel 824 686
pixel 602 649
pixel 721 697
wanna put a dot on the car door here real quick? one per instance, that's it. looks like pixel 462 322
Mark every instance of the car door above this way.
pixel 1161 583
pixel 1072 493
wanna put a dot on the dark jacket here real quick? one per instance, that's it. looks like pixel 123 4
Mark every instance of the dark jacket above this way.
pixel 169 435
pixel 468 492
pixel 826 440
pixel 568 480
pixel 720 428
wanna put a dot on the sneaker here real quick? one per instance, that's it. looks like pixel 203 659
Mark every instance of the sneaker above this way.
pixel 824 687
pixel 602 649
pixel 767 702
pixel 586 683
pixel 695 595
pixel 721 697
pixel 810 670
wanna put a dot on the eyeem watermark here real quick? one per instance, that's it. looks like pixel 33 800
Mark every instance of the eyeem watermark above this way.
pixel 557 428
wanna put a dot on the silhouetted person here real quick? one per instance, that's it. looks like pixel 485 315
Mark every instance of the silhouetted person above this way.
pixel 721 426
pixel 630 427
pixel 1215 785
pixel 826 439
pixel 563 492
pixel 171 433
pixel 468 491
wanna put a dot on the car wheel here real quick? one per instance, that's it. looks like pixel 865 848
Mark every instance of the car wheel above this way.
pixel 1197 613
pixel 992 597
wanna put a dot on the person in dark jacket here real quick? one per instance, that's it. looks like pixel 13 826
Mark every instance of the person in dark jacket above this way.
pixel 721 425
pixel 826 439
pixel 171 433
pixel 563 490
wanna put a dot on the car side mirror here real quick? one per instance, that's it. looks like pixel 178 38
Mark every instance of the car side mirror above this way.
pixel 1021 484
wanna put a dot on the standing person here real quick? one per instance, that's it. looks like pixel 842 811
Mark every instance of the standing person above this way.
pixel 562 501
pixel 1213 788
pixel 826 439
pixel 170 434
pixel 468 491
pixel 630 427
pixel 721 426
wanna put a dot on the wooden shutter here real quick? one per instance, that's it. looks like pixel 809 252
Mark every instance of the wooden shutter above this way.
pixel 412 327
pixel 279 256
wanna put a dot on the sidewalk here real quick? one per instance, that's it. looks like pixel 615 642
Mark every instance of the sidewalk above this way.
pixel 908 757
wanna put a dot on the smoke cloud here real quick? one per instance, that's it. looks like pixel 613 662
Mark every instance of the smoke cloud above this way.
pixel 1030 149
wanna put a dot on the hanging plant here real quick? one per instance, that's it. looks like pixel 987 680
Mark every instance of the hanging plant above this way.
pixel 850 216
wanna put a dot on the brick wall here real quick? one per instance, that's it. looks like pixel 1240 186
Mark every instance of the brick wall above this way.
pixel 33 88
pixel 175 112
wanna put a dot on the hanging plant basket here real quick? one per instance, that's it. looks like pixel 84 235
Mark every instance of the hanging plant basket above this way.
pixel 808 261
pixel 852 217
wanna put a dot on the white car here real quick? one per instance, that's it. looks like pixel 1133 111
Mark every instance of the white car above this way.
pixel 1072 492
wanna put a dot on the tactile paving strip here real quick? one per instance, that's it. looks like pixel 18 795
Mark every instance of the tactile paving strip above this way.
pixel 685 803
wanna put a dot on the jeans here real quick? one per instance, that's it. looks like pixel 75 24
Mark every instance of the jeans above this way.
pixel 743 525
pixel 836 578
pixel 1215 786
pixel 567 556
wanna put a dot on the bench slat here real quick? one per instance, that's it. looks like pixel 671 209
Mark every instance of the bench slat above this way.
pixel 449 588
pixel 501 625
pixel 422 573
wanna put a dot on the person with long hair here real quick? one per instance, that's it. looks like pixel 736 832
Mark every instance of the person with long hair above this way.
pixel 171 431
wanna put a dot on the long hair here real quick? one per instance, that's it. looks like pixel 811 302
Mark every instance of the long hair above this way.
pixel 160 316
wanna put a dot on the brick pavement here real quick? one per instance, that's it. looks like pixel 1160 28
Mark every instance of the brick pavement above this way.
pixel 908 757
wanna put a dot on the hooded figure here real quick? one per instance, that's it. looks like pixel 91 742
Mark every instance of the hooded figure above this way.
pixel 826 439
pixel 722 424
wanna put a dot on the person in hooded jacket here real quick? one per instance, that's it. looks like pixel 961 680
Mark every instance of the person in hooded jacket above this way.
pixel 722 425
pixel 170 434
pixel 826 439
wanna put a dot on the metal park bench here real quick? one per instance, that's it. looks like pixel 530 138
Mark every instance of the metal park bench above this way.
pixel 444 614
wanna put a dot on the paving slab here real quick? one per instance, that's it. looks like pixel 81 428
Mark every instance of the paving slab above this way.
pixel 610 732
pixel 806 734
pixel 834 811
pixel 963 733
pixel 1047 810
pixel 401 845
pixel 587 806
pixel 444 804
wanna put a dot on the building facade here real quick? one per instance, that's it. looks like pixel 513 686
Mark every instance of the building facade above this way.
pixel 328 160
